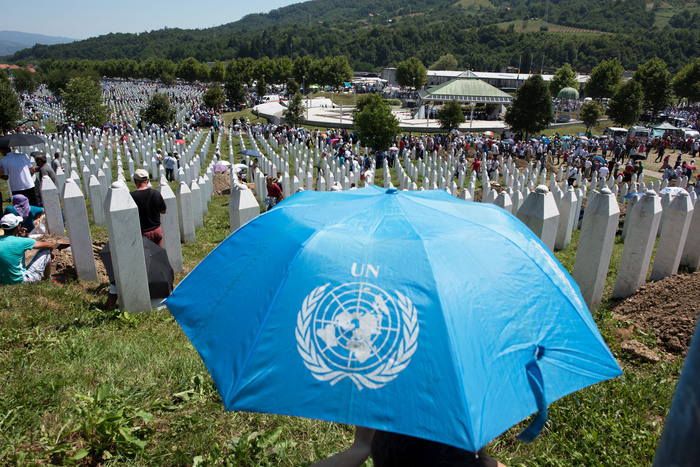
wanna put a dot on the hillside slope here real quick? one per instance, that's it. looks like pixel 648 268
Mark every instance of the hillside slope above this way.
pixel 375 34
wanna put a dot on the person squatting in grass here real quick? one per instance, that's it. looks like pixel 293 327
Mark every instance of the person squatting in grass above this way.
pixel 13 245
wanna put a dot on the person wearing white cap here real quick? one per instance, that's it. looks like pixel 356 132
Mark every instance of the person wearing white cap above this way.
pixel 12 248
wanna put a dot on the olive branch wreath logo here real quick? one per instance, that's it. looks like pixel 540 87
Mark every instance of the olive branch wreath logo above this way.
pixel 378 377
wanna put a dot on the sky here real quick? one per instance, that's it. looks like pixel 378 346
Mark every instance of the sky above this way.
pixel 80 19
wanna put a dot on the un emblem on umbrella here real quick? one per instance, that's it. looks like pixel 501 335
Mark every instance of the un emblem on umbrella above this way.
pixel 357 331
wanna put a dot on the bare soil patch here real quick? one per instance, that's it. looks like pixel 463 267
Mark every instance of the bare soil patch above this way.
pixel 667 309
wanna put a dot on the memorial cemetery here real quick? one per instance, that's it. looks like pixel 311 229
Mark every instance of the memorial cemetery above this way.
pixel 624 244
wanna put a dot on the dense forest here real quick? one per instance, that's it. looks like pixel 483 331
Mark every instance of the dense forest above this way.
pixel 483 35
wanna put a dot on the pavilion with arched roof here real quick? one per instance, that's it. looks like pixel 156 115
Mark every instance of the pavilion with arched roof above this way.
pixel 467 89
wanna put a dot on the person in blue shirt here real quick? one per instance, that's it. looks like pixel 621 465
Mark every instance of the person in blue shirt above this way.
pixel 20 207
pixel 12 249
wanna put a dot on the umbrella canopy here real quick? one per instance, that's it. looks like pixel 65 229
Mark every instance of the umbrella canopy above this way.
pixel 410 312
pixel 393 149
pixel 488 133
pixel 672 190
pixel 251 153
pixel 599 159
pixel 180 141
pixel 20 139
pixel 160 273
pixel 220 168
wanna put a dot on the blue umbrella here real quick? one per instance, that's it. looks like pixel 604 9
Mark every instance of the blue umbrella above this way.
pixel 599 159
pixel 410 312
pixel 251 153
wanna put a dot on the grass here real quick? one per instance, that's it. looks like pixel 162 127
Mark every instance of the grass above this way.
pixel 534 25
pixel 475 4
pixel 86 386
pixel 345 98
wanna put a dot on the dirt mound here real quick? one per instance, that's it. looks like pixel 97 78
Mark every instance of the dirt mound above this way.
pixel 667 308
pixel 63 269
pixel 222 184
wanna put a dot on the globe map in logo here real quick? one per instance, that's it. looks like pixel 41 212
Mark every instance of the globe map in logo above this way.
pixel 358 331
pixel 356 326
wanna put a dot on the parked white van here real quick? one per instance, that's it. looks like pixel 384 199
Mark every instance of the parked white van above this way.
pixel 690 133
pixel 617 133
pixel 639 134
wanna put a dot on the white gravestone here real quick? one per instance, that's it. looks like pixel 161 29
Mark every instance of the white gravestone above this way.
pixel 79 231
pixel 691 249
pixel 126 249
pixel 170 225
pixel 676 221
pixel 503 200
pixel 52 207
pixel 185 213
pixel 643 219
pixel 595 246
pixel 95 192
pixel 539 212
pixel 567 217
pixel 243 206
pixel 196 195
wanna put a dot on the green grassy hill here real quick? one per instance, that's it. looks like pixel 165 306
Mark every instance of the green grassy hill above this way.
pixel 483 34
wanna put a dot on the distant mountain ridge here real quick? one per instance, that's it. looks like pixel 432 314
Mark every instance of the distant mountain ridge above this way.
pixel 12 41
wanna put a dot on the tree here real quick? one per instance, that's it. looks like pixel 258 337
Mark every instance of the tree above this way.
pixel 445 62
pixel 24 81
pixel 203 72
pixel 604 79
pixel 531 109
pixel 450 115
pixel 217 72
pixel 261 87
pixel 187 69
pixel 374 123
pixel 686 84
pixel 158 110
pixel 292 87
pixel 214 97
pixel 82 100
pixel 9 104
pixel 302 70
pixel 337 70
pixel 590 113
pixel 57 80
pixel 625 106
pixel 656 84
pixel 411 73
pixel 294 113
pixel 234 89
pixel 564 77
